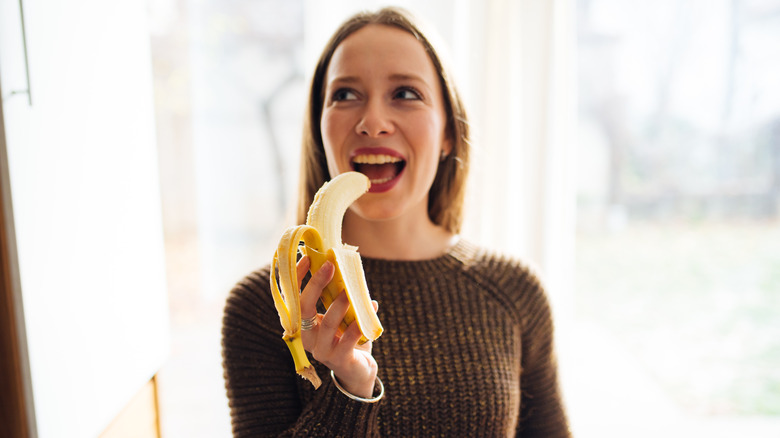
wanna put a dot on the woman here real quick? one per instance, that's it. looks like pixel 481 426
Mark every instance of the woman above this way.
pixel 468 342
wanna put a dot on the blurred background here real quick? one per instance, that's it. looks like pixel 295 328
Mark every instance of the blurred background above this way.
pixel 628 149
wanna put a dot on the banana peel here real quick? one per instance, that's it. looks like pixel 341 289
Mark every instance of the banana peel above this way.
pixel 321 237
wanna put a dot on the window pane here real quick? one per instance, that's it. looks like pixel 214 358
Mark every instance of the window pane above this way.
pixel 678 259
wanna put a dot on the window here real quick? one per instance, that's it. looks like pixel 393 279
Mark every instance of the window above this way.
pixel 672 321
pixel 678 244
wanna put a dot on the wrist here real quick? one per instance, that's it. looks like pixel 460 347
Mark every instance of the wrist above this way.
pixel 371 393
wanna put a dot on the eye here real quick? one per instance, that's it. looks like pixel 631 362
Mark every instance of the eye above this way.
pixel 343 94
pixel 407 93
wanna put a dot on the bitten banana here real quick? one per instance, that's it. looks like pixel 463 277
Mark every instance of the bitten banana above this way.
pixel 322 242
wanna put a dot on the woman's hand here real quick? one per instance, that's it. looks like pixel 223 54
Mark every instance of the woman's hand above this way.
pixel 352 364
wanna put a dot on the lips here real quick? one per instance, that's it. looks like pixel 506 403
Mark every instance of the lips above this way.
pixel 383 166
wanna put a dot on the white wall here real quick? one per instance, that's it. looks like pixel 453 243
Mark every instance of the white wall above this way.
pixel 84 186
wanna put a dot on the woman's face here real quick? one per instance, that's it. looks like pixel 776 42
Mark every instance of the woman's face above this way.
pixel 383 115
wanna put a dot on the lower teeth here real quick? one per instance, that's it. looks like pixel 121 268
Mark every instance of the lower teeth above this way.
pixel 381 181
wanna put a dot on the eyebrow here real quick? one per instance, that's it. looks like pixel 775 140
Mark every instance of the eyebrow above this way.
pixel 405 77
pixel 397 77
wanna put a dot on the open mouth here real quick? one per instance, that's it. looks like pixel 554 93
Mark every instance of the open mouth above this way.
pixel 379 168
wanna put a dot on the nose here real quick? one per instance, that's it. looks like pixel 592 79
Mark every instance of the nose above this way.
pixel 375 120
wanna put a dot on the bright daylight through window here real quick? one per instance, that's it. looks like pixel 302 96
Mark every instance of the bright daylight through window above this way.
pixel 678 247
pixel 676 313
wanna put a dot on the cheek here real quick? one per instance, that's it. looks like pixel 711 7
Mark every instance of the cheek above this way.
pixel 335 125
pixel 432 135
pixel 332 130
pixel 329 130
pixel 326 128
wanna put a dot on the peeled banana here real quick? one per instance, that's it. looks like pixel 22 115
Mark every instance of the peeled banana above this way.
pixel 321 236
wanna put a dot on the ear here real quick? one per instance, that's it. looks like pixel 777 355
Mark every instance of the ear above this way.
pixel 446 148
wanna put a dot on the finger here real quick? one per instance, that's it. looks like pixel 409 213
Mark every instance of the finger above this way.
pixel 311 293
pixel 349 341
pixel 302 268
pixel 375 303
pixel 329 327
pixel 336 312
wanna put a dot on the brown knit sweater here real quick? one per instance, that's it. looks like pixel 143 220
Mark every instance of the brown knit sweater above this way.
pixel 467 352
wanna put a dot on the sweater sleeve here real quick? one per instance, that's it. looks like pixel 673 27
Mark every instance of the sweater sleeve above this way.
pixel 542 411
pixel 265 395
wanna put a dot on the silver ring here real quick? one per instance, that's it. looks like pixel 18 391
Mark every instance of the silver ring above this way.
pixel 309 323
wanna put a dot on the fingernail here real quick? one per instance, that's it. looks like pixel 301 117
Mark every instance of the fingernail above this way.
pixel 328 265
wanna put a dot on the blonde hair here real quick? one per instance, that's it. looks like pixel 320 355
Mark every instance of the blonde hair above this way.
pixel 447 193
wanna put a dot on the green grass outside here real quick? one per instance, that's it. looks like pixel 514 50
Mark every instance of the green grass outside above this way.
pixel 697 303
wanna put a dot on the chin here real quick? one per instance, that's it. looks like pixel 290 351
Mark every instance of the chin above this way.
pixel 376 213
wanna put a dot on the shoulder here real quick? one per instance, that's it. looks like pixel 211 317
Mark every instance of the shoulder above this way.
pixel 250 304
pixel 251 289
pixel 496 268
pixel 512 280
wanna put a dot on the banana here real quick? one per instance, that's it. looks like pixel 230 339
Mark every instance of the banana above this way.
pixel 321 236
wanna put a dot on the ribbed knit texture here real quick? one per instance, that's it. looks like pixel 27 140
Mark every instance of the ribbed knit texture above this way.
pixel 467 351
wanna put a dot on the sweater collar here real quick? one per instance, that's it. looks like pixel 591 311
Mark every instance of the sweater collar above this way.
pixel 458 255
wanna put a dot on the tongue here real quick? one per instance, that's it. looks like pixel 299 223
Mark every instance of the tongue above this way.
pixel 376 172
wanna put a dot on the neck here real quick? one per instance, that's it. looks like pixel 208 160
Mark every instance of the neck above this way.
pixel 396 239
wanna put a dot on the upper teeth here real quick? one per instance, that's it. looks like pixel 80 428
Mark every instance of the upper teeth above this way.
pixel 375 159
